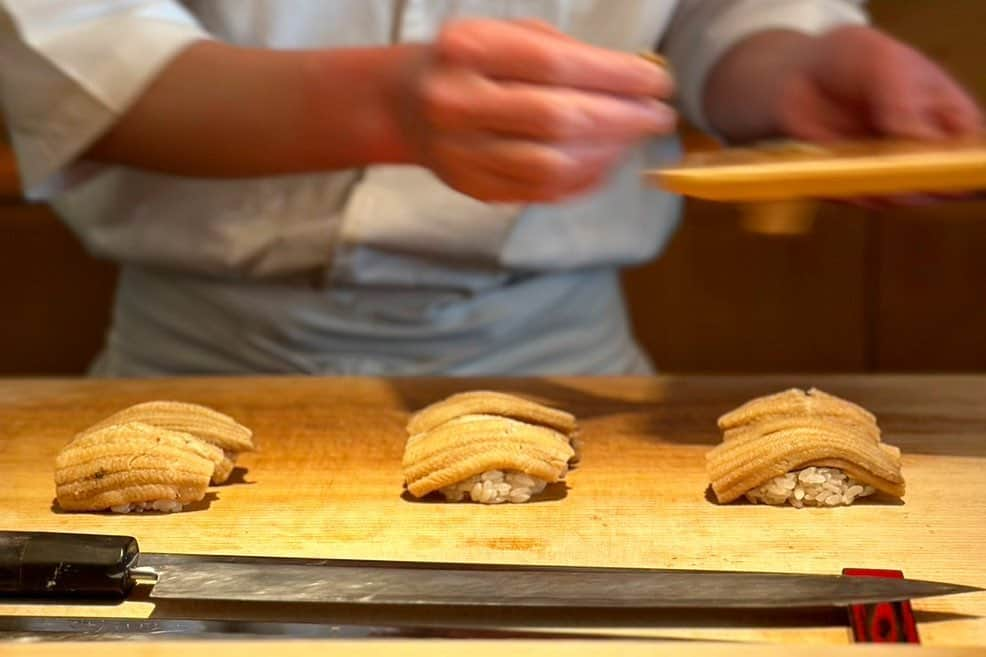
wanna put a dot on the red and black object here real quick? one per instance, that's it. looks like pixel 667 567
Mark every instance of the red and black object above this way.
pixel 882 622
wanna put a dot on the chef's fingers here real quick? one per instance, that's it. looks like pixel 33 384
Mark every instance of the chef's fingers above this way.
pixel 507 51
pixel 460 101
pixel 543 28
pixel 908 116
pixel 808 113
pixel 958 114
pixel 914 98
pixel 547 169
pixel 491 188
pixel 493 169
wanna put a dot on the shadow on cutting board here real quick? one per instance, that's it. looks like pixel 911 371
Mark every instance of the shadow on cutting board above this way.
pixel 238 476
pixel 201 505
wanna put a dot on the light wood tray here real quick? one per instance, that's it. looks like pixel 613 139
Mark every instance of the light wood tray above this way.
pixel 789 170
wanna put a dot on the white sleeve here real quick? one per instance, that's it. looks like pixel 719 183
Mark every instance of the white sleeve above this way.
pixel 70 68
pixel 703 30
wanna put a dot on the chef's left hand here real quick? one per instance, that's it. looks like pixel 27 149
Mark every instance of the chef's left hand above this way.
pixel 857 82
pixel 861 83
pixel 850 83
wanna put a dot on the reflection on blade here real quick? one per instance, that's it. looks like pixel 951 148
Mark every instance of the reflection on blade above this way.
pixel 38 629
pixel 398 583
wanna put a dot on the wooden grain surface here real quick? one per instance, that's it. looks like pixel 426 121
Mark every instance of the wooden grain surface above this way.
pixel 472 648
pixel 327 482
pixel 844 171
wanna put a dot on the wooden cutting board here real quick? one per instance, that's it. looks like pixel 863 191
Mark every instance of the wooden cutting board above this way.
pixel 471 648
pixel 327 482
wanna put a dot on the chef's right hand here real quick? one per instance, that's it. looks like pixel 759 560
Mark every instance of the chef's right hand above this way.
pixel 519 112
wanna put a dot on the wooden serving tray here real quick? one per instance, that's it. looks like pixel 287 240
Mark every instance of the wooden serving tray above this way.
pixel 793 170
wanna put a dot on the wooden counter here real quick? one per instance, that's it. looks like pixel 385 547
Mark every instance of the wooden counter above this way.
pixel 327 482
pixel 472 649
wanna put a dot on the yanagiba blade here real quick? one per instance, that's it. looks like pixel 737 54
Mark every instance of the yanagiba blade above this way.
pixel 47 628
pixel 193 577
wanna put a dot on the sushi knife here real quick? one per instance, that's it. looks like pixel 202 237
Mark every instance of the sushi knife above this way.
pixel 67 566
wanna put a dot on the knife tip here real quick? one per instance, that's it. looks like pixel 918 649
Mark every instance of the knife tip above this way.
pixel 962 588
pixel 935 589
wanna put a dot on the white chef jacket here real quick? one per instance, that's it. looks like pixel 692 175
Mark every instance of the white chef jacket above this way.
pixel 383 270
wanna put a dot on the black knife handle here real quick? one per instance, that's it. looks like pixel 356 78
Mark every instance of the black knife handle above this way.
pixel 57 565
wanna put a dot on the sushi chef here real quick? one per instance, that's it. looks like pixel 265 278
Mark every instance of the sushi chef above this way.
pixel 411 187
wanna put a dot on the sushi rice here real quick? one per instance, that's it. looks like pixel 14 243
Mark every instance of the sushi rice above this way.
pixel 162 506
pixel 812 486
pixel 495 487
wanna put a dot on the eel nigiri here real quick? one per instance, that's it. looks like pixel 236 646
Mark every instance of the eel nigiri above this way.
pixel 488 447
pixel 803 448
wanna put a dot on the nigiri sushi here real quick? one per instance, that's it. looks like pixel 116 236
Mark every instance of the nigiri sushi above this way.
pixel 134 467
pixel 488 447
pixel 803 448
pixel 200 421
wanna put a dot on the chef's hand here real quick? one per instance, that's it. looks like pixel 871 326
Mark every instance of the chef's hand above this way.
pixel 850 83
pixel 858 82
pixel 519 112
pixel 502 111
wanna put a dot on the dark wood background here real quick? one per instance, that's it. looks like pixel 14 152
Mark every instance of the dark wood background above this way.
pixel 888 291
pixel 853 291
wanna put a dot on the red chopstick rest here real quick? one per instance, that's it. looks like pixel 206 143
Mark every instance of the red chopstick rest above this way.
pixel 882 622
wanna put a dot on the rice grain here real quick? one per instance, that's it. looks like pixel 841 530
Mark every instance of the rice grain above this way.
pixel 495 487
pixel 812 486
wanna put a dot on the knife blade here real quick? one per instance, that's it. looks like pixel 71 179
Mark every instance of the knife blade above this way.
pixel 59 628
pixel 60 566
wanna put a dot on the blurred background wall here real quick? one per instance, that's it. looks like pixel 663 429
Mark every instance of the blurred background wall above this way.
pixel 849 290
